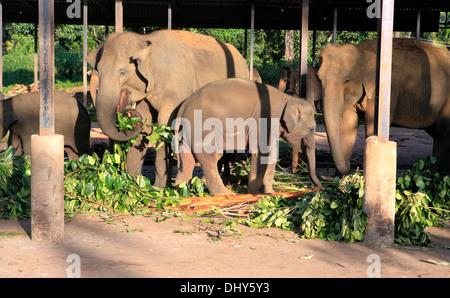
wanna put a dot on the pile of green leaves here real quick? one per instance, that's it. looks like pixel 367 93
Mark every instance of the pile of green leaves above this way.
pixel 15 183
pixel 422 200
pixel 332 214
pixel 94 184
pixel 336 213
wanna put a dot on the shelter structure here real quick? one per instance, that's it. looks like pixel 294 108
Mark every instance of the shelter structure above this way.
pixel 383 16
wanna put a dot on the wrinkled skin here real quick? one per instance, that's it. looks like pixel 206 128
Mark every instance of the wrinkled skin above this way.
pixel 20 115
pixel 218 101
pixel 420 95
pixel 290 82
pixel 155 73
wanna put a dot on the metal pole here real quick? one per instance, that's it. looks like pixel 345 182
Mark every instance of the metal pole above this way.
pixel 313 54
pixel 335 15
pixel 384 69
pixel 302 72
pixel 1 50
pixel 85 24
pixel 169 16
pixel 419 15
pixel 245 44
pixel 36 58
pixel 252 34
pixel 47 67
pixel 304 48
pixel 119 16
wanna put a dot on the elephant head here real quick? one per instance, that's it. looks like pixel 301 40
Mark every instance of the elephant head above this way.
pixel 347 75
pixel 120 84
pixel 298 128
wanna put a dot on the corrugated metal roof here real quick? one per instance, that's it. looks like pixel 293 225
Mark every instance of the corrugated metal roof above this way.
pixel 275 14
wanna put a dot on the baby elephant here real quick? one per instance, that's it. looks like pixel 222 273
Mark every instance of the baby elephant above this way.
pixel 235 114
pixel 20 116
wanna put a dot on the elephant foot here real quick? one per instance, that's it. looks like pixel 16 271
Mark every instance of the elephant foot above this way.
pixel 223 191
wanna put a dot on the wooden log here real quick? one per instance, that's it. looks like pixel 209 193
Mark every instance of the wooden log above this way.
pixel 196 204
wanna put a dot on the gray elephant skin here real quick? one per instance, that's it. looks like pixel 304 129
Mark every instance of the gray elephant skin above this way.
pixel 420 95
pixel 290 83
pixel 155 73
pixel 20 116
pixel 229 104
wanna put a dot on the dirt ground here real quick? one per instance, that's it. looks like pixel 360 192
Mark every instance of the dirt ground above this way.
pixel 190 247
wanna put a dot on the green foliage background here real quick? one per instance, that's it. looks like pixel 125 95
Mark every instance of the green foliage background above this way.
pixel 18 61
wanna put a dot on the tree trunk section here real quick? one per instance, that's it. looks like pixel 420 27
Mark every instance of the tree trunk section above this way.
pixel 289 46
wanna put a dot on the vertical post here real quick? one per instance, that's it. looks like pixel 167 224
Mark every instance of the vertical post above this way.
pixel 304 48
pixel 1 50
pixel 169 16
pixel 36 58
pixel 85 24
pixel 380 157
pixel 419 15
pixel 302 72
pixel 313 54
pixel 119 16
pixel 47 67
pixel 252 36
pixel 335 15
pixel 245 44
pixel 47 148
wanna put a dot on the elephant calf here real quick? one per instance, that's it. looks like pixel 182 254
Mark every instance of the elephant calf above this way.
pixel 20 116
pixel 235 114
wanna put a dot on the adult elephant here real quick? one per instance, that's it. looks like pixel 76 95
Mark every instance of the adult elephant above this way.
pixel 420 94
pixel 154 73
pixel 290 83
pixel 20 116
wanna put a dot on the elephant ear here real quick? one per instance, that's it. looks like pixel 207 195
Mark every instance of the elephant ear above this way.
pixel 141 59
pixel 291 115
pixel 369 76
pixel 94 56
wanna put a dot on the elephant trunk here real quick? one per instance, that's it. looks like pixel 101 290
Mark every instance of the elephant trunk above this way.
pixel 332 110
pixel 310 144
pixel 108 105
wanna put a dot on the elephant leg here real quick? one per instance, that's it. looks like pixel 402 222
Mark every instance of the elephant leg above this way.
pixel 164 159
pixel 186 164
pixel 257 177
pixel 267 186
pixel 72 155
pixel 135 156
pixel 441 148
pixel 14 141
pixel 348 130
pixel 369 115
pixel 213 180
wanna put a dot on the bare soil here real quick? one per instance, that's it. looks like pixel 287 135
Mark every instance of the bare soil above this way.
pixel 187 246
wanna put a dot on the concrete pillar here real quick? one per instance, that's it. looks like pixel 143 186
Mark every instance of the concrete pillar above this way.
pixel 47 187
pixel 252 39
pixel 85 42
pixel 380 166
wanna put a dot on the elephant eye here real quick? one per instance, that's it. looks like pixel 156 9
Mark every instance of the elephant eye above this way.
pixel 123 72
pixel 346 80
